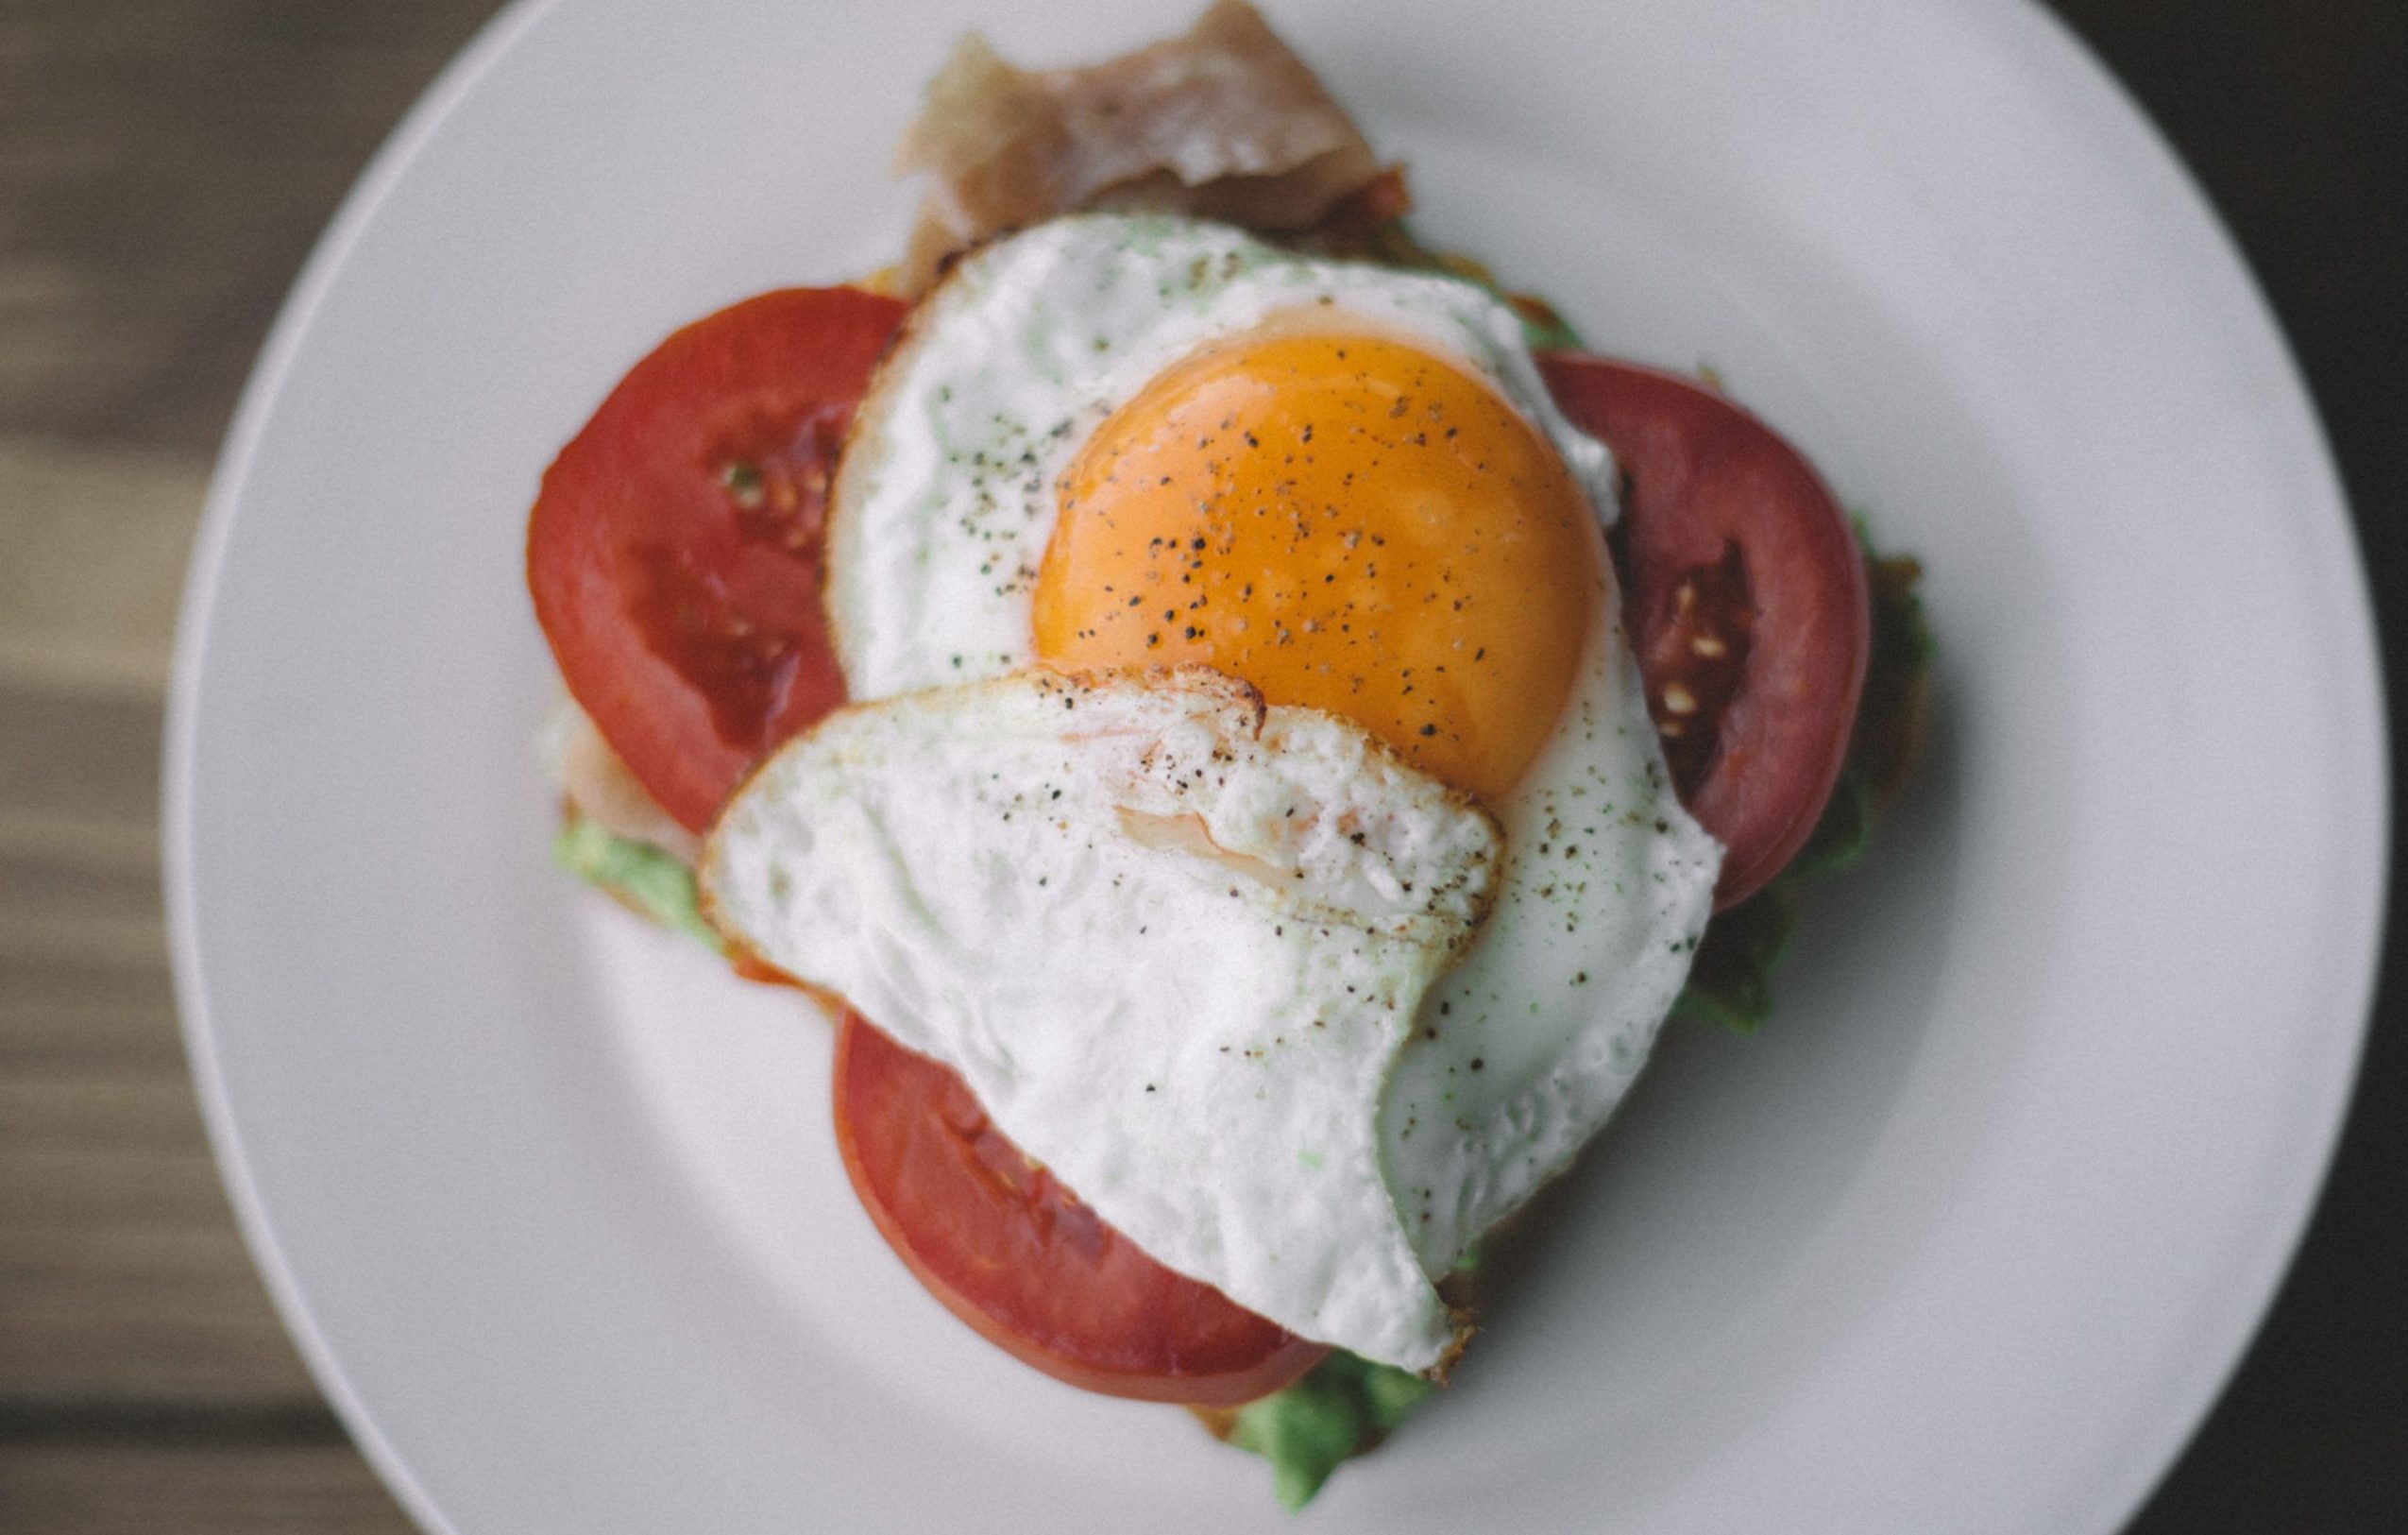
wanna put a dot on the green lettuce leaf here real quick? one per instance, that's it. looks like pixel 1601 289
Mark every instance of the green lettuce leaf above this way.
pixel 1731 979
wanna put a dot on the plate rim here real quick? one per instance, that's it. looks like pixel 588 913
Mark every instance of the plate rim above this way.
pixel 2249 1296
pixel 2252 1300
pixel 228 478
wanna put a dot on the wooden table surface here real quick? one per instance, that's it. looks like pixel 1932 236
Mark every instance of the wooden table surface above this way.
pixel 164 165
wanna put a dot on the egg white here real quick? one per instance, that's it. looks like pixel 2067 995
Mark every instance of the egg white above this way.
pixel 1525 1048
pixel 939 523
pixel 945 498
pixel 1171 939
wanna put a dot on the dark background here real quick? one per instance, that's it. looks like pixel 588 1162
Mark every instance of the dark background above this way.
pixel 164 165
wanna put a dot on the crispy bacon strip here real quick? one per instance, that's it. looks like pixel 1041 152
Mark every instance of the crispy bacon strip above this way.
pixel 1224 122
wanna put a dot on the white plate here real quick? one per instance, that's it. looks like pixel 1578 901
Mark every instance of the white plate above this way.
pixel 1966 1240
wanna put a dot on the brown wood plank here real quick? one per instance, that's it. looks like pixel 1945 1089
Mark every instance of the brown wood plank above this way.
pixel 119 1269
pixel 77 762
pixel 131 1485
pixel 55 1007
pixel 164 165
pixel 69 889
pixel 97 542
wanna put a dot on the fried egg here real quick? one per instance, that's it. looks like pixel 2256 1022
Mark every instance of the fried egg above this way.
pixel 1168 934
pixel 945 500
pixel 1128 441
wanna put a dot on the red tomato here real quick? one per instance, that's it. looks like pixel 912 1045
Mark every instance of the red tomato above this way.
pixel 1745 600
pixel 1017 1256
pixel 674 551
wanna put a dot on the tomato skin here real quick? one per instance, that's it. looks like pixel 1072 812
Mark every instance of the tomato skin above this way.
pixel 674 549
pixel 1021 1259
pixel 1746 601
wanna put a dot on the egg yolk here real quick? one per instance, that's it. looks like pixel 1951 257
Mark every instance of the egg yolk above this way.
pixel 1346 523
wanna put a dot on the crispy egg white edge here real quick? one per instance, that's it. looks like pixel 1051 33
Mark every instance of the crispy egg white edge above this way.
pixel 970 867
pixel 945 498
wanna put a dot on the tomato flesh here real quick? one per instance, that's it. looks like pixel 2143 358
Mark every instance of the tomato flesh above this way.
pixel 1745 599
pixel 1018 1257
pixel 674 551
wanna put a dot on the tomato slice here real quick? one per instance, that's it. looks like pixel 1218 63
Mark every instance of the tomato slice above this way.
pixel 1018 1257
pixel 1745 600
pixel 674 551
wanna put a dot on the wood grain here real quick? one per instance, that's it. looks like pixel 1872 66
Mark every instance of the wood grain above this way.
pixel 131 1484
pixel 96 540
pixel 164 165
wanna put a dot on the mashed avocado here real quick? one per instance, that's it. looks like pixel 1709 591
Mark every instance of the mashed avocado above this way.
pixel 1342 1408
pixel 648 881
